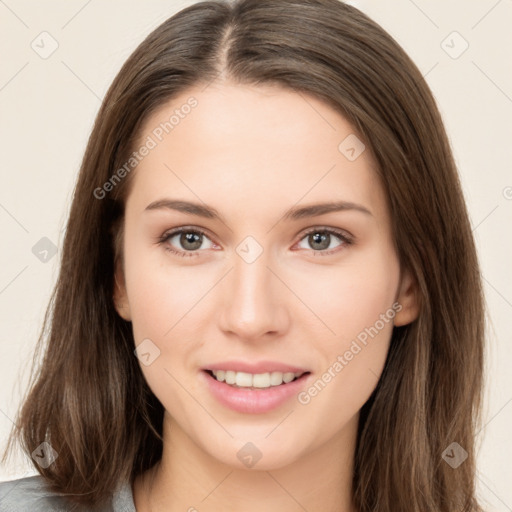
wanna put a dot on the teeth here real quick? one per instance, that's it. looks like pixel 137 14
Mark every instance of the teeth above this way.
pixel 258 380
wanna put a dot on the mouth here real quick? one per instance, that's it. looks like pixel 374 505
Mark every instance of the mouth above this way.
pixel 255 380
pixel 257 393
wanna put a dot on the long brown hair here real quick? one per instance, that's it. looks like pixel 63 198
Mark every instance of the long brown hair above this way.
pixel 87 395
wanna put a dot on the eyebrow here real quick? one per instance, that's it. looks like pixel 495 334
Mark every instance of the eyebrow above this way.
pixel 294 213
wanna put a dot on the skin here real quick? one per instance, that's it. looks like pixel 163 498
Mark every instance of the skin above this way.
pixel 252 152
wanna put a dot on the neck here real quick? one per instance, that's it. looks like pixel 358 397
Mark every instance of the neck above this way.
pixel 187 478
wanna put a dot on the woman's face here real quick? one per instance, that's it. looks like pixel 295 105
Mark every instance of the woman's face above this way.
pixel 273 286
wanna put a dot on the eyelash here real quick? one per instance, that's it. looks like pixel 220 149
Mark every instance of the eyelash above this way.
pixel 344 237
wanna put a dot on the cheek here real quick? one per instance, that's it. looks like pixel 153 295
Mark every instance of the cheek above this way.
pixel 371 294
pixel 356 302
pixel 160 293
pixel 162 301
pixel 351 296
pixel 364 323
pixel 353 360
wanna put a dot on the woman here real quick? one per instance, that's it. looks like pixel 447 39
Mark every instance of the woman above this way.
pixel 319 345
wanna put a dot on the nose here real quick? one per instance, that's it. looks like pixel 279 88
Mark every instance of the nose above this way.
pixel 254 300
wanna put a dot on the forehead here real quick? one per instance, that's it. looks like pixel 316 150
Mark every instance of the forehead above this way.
pixel 266 144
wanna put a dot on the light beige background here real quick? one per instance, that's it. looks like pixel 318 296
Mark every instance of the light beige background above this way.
pixel 47 107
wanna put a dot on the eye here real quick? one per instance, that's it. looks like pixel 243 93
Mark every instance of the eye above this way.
pixel 320 239
pixel 189 239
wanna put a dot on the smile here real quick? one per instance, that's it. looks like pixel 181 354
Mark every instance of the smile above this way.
pixel 253 393
pixel 258 380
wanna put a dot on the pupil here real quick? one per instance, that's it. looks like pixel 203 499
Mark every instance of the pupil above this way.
pixel 320 238
pixel 191 238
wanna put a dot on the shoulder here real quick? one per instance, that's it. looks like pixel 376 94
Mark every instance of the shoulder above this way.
pixel 31 494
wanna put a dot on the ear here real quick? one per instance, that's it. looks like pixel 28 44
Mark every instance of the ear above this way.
pixel 408 298
pixel 120 296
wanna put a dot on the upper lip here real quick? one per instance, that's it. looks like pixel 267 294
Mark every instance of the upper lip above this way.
pixel 255 368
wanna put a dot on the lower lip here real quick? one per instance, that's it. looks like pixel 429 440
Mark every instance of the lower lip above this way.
pixel 254 401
